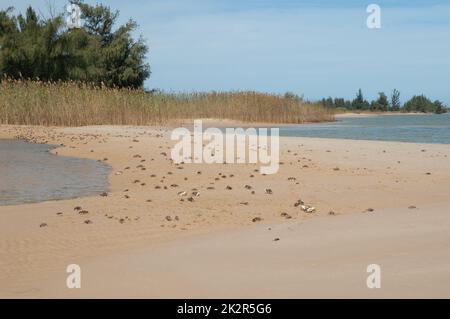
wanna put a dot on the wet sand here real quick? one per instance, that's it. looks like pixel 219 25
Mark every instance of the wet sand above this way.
pixel 206 248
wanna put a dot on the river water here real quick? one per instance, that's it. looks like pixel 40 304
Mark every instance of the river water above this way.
pixel 29 173
pixel 402 128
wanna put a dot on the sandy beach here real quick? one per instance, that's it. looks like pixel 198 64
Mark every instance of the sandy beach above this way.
pixel 383 203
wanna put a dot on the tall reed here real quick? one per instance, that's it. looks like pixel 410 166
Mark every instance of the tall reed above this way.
pixel 78 104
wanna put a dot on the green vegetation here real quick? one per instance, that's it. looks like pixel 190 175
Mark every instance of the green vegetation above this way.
pixel 422 104
pixel 381 104
pixel 359 103
pixel 44 49
pixel 77 104
pixel 395 101
pixel 418 103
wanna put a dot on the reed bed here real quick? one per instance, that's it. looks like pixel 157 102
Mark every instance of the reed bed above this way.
pixel 78 104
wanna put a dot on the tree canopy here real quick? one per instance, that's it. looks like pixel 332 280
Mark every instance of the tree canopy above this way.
pixel 381 104
pixel 359 103
pixel 420 103
pixel 33 47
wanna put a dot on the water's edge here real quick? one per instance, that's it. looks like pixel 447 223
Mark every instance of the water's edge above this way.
pixel 31 173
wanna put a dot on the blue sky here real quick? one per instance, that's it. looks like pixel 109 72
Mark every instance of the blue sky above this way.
pixel 312 48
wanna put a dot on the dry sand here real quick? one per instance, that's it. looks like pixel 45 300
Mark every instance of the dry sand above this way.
pixel 211 247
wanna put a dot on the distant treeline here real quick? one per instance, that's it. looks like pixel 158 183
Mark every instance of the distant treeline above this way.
pixel 45 49
pixel 418 103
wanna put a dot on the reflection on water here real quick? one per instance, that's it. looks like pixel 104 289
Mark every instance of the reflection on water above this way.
pixel 403 128
pixel 29 174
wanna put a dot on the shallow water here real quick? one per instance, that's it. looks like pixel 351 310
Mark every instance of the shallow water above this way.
pixel 402 128
pixel 29 174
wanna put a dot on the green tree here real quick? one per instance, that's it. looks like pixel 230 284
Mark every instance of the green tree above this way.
pixel 328 102
pixel 395 101
pixel 120 58
pixel 348 104
pixel 359 103
pixel 381 104
pixel 339 103
pixel 420 103
pixel 32 47
pixel 439 107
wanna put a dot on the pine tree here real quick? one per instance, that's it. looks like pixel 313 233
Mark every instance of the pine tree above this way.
pixel 395 101
pixel 359 103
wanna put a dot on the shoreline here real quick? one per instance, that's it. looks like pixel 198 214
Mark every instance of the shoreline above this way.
pixel 373 114
pixel 328 173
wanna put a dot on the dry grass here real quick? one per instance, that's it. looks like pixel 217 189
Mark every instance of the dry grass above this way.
pixel 76 104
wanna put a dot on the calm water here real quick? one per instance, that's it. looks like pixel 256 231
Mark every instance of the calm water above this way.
pixel 29 173
pixel 402 128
